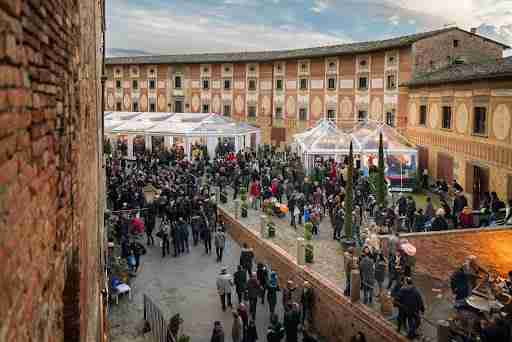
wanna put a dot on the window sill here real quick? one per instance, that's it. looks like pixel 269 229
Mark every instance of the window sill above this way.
pixel 446 129
pixel 331 89
pixel 362 89
pixel 480 135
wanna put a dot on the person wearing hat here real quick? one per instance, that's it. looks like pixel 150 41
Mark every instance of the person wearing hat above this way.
pixel 224 285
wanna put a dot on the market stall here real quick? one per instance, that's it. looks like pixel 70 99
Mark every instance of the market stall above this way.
pixel 400 156
pixel 184 129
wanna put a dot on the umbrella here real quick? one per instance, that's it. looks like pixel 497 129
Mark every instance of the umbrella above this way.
pixel 408 249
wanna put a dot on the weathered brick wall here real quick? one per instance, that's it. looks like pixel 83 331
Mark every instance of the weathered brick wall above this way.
pixel 336 318
pixel 440 253
pixel 440 50
pixel 50 66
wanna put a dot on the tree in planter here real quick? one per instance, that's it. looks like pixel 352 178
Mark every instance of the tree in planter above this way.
pixel 381 182
pixel 244 206
pixel 308 236
pixel 268 208
pixel 349 197
pixel 107 147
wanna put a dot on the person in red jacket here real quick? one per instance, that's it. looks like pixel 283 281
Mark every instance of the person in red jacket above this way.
pixel 255 193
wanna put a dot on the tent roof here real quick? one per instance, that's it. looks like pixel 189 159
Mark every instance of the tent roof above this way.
pixel 326 138
pixel 177 124
pixel 367 132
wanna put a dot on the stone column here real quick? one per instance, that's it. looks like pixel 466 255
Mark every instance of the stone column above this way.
pixel 130 147
pixel 301 251
pixel 148 141
pixel 355 286
pixel 237 208
pixel 167 142
pixel 263 225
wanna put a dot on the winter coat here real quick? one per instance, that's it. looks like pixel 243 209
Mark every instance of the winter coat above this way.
pixel 439 223
pixel 253 288
pixel 236 330
pixel 307 298
pixel 240 280
pixel 367 270
pixel 220 240
pixel 410 300
pixel 217 335
pixel 252 334
pixel 275 333
pixel 246 256
pixel 224 283
pixel 380 271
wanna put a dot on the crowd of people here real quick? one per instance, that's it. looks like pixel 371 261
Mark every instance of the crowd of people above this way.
pixel 184 206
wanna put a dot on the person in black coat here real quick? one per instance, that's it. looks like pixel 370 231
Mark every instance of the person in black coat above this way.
pixel 291 323
pixel 410 300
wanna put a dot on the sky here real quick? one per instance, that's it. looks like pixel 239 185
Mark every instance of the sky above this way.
pixel 138 27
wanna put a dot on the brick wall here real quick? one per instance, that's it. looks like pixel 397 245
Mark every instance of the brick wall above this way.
pixel 440 253
pixel 336 318
pixel 50 139
pixel 440 50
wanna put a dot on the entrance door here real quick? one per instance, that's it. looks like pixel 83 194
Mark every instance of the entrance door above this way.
pixel 253 140
pixel 422 158
pixel 480 184
pixel 445 167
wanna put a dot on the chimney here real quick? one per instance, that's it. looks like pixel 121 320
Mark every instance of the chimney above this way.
pixel 473 30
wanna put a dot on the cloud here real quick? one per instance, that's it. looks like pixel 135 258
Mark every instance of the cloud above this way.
pixel 320 5
pixel 165 30
pixel 394 20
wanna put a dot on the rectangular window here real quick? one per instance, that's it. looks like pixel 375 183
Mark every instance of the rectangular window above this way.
pixel 279 112
pixel 152 84
pixel 251 111
pixel 455 43
pixel 331 83
pixel 118 84
pixel 331 114
pixel 479 126
pixel 227 110
pixel 447 117
pixel 178 106
pixel 423 115
pixel 362 115
pixel 391 82
pixel 135 84
pixel 177 82
pixel 206 108
pixel 152 107
pixel 303 114
pixel 119 107
pixel 303 84
pixel 390 118
pixel 363 83
pixel 279 84
pixel 252 84
pixel 206 84
pixel 135 106
pixel 227 84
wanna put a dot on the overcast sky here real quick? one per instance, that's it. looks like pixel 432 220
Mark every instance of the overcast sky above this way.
pixel 188 26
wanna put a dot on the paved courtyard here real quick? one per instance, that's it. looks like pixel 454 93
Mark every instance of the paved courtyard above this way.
pixel 328 261
pixel 184 285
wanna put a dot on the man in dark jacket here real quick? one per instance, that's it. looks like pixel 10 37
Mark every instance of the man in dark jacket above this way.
pixel 262 275
pixel 409 298
pixel 253 291
pixel 246 258
pixel 240 280
pixel 291 322
pixel 307 300
pixel 291 208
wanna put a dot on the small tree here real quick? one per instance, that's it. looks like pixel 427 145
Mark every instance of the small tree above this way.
pixel 107 147
pixel 381 182
pixel 308 236
pixel 349 195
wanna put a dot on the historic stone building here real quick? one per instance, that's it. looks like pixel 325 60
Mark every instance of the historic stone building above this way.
pixel 286 91
pixel 461 117
pixel 51 212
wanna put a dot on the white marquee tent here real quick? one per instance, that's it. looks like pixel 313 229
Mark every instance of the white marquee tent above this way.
pixel 183 128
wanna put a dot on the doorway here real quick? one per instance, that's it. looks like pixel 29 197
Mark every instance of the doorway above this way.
pixel 445 167
pixel 480 184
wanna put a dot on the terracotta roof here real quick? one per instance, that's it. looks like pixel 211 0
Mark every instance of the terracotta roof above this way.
pixel 490 69
pixel 261 56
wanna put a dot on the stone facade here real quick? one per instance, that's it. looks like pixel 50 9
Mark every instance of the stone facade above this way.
pixel 292 94
pixel 488 147
pixel 50 170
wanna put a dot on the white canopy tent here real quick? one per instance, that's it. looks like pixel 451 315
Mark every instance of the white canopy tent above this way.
pixel 188 128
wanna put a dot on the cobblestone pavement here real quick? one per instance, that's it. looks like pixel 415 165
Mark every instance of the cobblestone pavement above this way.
pixel 184 285
pixel 328 261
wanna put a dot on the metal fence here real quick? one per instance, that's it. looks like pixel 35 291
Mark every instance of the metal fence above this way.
pixel 154 317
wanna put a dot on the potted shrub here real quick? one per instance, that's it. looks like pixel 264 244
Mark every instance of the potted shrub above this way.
pixel 243 208
pixel 308 236
pixel 271 229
